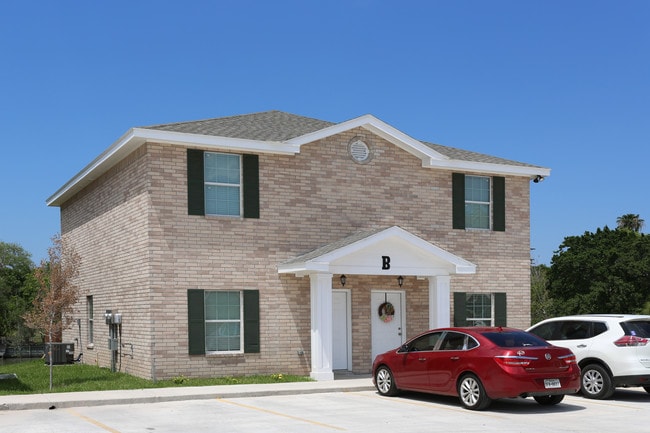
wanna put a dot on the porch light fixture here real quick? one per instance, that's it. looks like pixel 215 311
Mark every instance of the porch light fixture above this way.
pixel 400 280
pixel 343 278
pixel 538 179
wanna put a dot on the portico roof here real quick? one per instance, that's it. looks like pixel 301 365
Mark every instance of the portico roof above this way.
pixel 379 251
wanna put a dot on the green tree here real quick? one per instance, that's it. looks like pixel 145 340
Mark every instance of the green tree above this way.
pixel 57 293
pixel 630 221
pixel 17 289
pixel 541 303
pixel 603 272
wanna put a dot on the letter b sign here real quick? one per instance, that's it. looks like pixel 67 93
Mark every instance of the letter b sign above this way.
pixel 385 262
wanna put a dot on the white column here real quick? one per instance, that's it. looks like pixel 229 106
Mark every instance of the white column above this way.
pixel 321 326
pixel 439 308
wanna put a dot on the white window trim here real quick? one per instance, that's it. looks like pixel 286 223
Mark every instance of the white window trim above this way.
pixel 489 204
pixel 492 310
pixel 241 327
pixel 229 185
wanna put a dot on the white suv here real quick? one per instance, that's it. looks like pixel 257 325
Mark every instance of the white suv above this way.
pixel 613 350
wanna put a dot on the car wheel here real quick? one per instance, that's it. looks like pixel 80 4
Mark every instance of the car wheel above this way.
pixel 385 382
pixel 596 382
pixel 472 394
pixel 549 400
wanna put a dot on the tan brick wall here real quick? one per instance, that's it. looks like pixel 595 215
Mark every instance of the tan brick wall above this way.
pixel 142 251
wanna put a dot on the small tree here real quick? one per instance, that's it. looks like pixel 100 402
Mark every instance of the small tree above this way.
pixel 53 305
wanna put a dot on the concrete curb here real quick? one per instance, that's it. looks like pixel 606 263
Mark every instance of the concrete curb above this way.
pixel 157 395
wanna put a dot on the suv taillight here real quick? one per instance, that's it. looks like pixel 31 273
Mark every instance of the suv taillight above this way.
pixel 631 341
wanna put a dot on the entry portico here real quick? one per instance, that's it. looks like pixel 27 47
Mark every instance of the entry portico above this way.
pixel 380 251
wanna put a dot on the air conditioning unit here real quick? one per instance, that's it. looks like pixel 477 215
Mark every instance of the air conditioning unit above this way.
pixel 61 353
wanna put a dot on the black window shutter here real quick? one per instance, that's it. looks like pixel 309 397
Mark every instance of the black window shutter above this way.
pixel 196 322
pixel 458 200
pixel 251 186
pixel 251 321
pixel 499 204
pixel 460 313
pixel 500 316
pixel 195 200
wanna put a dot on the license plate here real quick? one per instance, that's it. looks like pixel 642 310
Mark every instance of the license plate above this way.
pixel 552 383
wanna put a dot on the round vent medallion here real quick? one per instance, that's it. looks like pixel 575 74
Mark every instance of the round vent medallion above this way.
pixel 359 150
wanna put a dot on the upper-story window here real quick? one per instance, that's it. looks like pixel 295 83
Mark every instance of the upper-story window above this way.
pixel 478 202
pixel 222 177
pixel 224 184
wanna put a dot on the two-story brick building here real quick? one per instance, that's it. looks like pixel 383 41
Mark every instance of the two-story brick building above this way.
pixel 270 242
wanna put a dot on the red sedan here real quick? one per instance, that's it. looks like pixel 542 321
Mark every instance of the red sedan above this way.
pixel 478 365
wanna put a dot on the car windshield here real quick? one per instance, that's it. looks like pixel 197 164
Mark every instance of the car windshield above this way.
pixel 639 328
pixel 515 339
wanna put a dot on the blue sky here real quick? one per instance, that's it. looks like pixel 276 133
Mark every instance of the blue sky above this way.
pixel 561 84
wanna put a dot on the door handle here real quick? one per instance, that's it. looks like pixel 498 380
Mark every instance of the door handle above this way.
pixel 582 346
pixel 455 358
pixel 422 359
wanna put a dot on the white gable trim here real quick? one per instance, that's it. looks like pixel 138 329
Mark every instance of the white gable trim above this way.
pixel 408 255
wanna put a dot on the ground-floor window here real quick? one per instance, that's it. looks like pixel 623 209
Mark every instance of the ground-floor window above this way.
pixel 479 309
pixel 91 319
pixel 223 321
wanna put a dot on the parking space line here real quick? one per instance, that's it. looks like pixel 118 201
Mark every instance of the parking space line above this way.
pixel 259 409
pixel 437 406
pixel 91 421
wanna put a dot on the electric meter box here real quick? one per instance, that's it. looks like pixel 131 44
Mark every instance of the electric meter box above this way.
pixel 117 318
pixel 112 344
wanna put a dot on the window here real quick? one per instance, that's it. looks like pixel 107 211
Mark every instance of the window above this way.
pixel 91 319
pixel 479 309
pixel 425 343
pixel 223 311
pixel 478 202
pixel 222 184
pixel 222 178
pixel 223 321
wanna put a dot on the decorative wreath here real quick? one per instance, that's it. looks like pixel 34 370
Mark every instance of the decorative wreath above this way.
pixel 386 312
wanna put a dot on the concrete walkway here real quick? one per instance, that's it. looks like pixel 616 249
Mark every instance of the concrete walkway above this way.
pixel 98 398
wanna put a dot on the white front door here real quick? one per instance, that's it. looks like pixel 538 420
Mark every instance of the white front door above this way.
pixel 341 330
pixel 387 320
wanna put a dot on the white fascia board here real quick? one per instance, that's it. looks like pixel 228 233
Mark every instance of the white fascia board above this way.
pixel 216 142
pixel 430 158
pixel 135 137
pixel 100 165
pixel 489 168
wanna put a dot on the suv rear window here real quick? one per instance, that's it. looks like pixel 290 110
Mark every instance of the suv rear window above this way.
pixel 515 339
pixel 640 328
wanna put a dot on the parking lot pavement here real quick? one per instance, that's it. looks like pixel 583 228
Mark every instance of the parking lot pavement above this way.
pixel 352 411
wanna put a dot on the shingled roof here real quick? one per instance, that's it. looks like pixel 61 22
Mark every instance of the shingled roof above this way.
pixel 281 126
pixel 265 126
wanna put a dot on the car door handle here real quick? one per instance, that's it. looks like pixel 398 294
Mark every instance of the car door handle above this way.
pixel 581 346
pixel 422 359
pixel 455 358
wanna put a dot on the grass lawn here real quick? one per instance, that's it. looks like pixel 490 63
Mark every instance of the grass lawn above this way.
pixel 33 377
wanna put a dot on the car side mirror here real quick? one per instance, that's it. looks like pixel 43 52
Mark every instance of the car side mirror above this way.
pixel 403 348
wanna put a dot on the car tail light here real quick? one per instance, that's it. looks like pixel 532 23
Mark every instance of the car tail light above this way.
pixel 631 341
pixel 514 361
pixel 569 359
